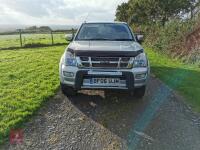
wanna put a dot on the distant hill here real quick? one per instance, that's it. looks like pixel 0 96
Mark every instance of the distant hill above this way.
pixel 63 27
pixel 11 28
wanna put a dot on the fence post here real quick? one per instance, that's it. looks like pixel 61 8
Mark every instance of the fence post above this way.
pixel 20 36
pixel 52 41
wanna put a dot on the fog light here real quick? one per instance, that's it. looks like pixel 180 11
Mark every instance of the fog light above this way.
pixel 68 74
pixel 140 76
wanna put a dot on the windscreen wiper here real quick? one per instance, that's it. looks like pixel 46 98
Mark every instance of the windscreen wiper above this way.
pixel 99 39
pixel 122 39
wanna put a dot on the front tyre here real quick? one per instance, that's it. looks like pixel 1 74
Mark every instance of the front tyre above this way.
pixel 67 90
pixel 139 92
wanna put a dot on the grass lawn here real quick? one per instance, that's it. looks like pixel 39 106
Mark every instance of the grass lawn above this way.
pixel 28 77
pixel 14 41
pixel 183 78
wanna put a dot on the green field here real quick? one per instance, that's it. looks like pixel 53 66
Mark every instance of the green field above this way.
pixel 7 41
pixel 181 77
pixel 27 78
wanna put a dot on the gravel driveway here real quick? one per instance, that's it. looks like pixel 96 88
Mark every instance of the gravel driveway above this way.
pixel 100 120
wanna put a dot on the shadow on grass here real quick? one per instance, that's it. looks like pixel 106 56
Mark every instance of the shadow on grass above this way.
pixel 183 80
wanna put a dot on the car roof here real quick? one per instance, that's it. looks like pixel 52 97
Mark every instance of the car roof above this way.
pixel 114 22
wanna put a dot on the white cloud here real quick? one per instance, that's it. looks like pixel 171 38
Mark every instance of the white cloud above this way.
pixel 56 11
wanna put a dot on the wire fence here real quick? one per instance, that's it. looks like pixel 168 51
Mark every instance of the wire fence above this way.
pixel 20 39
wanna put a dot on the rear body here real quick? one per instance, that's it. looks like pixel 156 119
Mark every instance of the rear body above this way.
pixel 104 56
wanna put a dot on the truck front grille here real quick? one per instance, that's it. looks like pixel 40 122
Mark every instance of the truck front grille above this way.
pixel 105 62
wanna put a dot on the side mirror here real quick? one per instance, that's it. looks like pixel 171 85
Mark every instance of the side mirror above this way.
pixel 69 37
pixel 140 38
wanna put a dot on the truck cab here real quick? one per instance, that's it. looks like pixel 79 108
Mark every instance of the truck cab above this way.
pixel 104 56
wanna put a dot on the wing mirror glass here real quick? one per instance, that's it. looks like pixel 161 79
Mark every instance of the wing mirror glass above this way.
pixel 69 37
pixel 140 38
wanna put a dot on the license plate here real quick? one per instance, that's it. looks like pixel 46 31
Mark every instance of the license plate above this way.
pixel 105 81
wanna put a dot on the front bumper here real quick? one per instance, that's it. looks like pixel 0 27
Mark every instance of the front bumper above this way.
pixel 133 78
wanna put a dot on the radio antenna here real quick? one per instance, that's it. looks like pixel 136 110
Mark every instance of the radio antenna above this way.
pixel 86 17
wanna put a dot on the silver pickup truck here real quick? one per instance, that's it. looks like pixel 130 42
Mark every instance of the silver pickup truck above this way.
pixel 104 56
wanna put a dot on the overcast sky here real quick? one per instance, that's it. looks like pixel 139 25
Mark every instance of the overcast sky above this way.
pixel 71 12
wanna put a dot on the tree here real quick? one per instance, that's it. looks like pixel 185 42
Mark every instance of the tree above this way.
pixel 149 11
pixel 172 9
pixel 122 12
pixel 44 28
pixel 142 11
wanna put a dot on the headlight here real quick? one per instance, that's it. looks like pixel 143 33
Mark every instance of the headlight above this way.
pixel 70 59
pixel 140 61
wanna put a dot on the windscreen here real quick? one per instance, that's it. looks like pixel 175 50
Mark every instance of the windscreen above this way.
pixel 105 31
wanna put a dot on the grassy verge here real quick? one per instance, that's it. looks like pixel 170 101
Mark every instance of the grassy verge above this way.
pixel 9 41
pixel 28 77
pixel 181 77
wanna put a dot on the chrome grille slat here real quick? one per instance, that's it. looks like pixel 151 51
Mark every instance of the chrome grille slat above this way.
pixel 104 62
pixel 104 58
